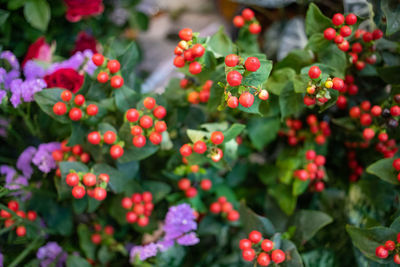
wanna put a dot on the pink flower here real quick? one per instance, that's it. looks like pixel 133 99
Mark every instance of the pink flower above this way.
pixel 38 50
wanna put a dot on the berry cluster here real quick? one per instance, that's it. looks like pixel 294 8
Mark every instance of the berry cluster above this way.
pixel 396 166
pixel 9 222
pixel 101 234
pixel 234 67
pixel 313 170
pixel 109 138
pixel 107 68
pixel 387 147
pixel 74 153
pixel 226 208
pixel 247 18
pixel 355 167
pixel 349 88
pixel 144 124
pixel 345 31
pixel 74 109
pixel 317 90
pixel 140 207
pixel 201 147
pixel 264 247
pixel 320 130
pixel 95 185
pixel 390 247
pixel 197 94
pixel 188 51
pixel 190 190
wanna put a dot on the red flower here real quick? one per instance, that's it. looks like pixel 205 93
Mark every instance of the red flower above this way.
pixel 83 42
pixel 38 50
pixel 76 9
pixel 65 78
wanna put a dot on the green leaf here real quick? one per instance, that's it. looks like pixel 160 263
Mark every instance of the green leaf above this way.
pixel 78 134
pixel 159 189
pixel 134 154
pixel 293 258
pixel 104 254
pixel 125 98
pixel 46 100
pixel 389 74
pixel 77 261
pixel 259 77
pixel 37 13
pixel 290 102
pixel 332 56
pixel 300 83
pixel 15 4
pixel 196 135
pixel 215 126
pixel 4 14
pixel 296 60
pixel 278 80
pixel 308 223
pixel 85 241
pixel 315 20
pixel 317 42
pixel 283 196
pixel 233 131
pixel 251 221
pixel 392 13
pixel 319 257
pixel 299 187
pixel 220 44
pixel 67 166
pixel 262 131
pixel 366 240
pixel 384 169
pixel 117 179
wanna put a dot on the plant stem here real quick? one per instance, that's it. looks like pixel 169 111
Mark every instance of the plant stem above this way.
pixel 25 252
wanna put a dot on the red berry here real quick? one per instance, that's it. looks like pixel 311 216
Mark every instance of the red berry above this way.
pixel 104 177
pixel 247 14
pixel 329 33
pixel 365 105
pixel 344 46
pixel 138 209
pixel 66 95
pixel 367 37
pixel 179 61
pixel 198 50
pixel 396 164
pixel 263 95
pixel 231 60
pixel 155 138
pixel 238 21
pixel 222 199
pixel 13 205
pixel 338 19
pixel 20 231
pixel 75 114
pixel 109 137
pixel 132 115
pixel 371 59
pixel 360 65
pixel 255 236
pixel 131 217
pixel 77 150
pixel 376 111
pixel 245 244
pixel 320 160
pixel 184 83
pixel 102 77
pixel 338 39
pixel 116 151
pixel 89 179
pixel 248 254
pixel 143 221
pixel 185 150
pixel 319 186
pixel 159 112
pixel 5 214
pixel 149 102
pixel 92 110
pixel 78 192
pixel 147 196
pixel 345 31
pixel 57 155
pixel 116 81
pixel 215 208
pixel 338 84
pixel 96 238
pixel 200 147
pixel 195 68
pixel 278 256
pixel 233 216
pixel 160 126
pixel 341 102
pixel 252 64
pixel 368 134
pixel 217 137
pixel 204 96
pixel 381 252
pixel 383 137
pixel 310 154
pixel 186 34
pixel 126 203
pixel 351 19
pixel 356 48
pixel 267 245
pixel 349 79
pixel 246 99
pixel 390 245
pixel 59 108
pixel 377 34
pixel 302 175
pixel 308 101
pixel 395 111
pixel 365 119
pixel 146 121
pixel 72 179
pixel 191 192
pixel 99 193
pixel 98 59
pixel 263 259
pixel 234 78
pixel 94 138
pixel 206 184
pixel 79 100
pixel 314 72
pixel 188 55
pixel 113 66
pixel 184 184
pixel 233 102
pixel 31 215
pixel 254 28
pixel 355 112
pixel 396 258
pixel 21 213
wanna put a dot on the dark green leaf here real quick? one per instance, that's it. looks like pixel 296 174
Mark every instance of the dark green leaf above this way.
pixel 392 13
pixel 220 44
pixel 308 223
pixel 278 80
pixel 233 131
pixel 283 196
pixel 262 131
pixel 290 102
pixel 37 13
pixel 296 60
pixel 384 169
pixel 251 221
pixel 85 241
pixel 389 74
pixel 77 261
pixel 125 98
pixel 46 100
pixel 315 20
pixel 3 16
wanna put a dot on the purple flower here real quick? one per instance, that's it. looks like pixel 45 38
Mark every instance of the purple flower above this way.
pixel 8 171
pixel 3 74
pixel 43 158
pixel 11 58
pixel 1 259
pixel 33 70
pixel 24 161
pixel 10 76
pixel 188 239
pixel 51 253
pixel 144 252
pixel 178 221
pixel 164 245
pixel 2 95
pixel 25 90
